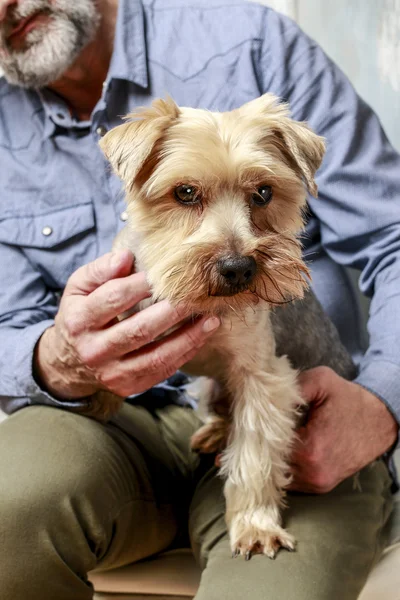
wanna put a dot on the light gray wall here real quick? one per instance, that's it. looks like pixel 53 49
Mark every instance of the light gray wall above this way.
pixel 363 38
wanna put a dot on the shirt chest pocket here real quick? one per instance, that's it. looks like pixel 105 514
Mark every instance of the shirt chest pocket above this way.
pixel 56 243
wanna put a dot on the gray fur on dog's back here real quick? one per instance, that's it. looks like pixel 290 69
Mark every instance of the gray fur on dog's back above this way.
pixel 309 338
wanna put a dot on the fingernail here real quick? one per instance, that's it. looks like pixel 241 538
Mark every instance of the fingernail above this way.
pixel 118 257
pixel 211 324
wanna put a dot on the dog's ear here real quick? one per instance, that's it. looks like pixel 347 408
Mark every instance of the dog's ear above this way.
pixel 128 146
pixel 303 148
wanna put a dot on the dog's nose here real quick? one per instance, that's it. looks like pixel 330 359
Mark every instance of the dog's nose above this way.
pixel 238 270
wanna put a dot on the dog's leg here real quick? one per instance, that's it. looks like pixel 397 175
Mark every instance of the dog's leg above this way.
pixel 212 436
pixel 212 409
pixel 103 406
pixel 255 462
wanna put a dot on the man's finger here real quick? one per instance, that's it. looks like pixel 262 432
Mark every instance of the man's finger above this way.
pixel 148 367
pixel 300 479
pixel 91 276
pixel 299 485
pixel 139 329
pixel 315 383
pixel 300 444
pixel 115 297
pixel 161 359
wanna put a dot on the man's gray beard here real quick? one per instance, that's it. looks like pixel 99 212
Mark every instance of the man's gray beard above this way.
pixel 50 48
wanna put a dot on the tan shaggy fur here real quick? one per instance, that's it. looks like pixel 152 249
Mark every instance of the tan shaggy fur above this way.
pixel 225 158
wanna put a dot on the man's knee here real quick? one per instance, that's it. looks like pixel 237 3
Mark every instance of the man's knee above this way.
pixel 285 578
pixel 73 494
pixel 52 464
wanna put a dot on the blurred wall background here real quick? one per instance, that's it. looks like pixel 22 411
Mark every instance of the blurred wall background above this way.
pixel 363 38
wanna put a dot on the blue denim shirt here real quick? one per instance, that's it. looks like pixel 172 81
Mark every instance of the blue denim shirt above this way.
pixel 60 205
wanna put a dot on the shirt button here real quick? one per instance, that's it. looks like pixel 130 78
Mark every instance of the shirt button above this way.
pixel 101 131
pixel 47 230
pixel 124 216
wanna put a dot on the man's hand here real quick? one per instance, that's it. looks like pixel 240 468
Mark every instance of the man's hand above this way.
pixel 89 350
pixel 347 428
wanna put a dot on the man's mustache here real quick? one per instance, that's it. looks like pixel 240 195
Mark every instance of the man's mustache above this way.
pixel 16 13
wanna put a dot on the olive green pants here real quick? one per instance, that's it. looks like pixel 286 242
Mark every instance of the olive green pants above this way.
pixel 76 495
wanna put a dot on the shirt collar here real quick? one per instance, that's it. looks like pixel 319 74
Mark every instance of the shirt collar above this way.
pixel 129 59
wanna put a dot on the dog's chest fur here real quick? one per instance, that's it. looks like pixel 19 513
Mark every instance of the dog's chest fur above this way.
pixel 238 341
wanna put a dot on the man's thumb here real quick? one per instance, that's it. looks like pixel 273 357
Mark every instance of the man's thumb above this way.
pixel 112 265
pixel 315 384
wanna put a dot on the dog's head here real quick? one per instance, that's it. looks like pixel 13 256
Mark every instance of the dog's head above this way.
pixel 216 200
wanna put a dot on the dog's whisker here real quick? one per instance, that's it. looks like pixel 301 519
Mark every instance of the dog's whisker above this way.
pixel 262 253
pixel 274 283
pixel 250 303
pixel 277 303
pixel 236 313
pixel 264 296
pixel 264 290
pixel 289 276
pixel 230 318
pixel 174 273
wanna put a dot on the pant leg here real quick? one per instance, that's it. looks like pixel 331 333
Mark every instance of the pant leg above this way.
pixel 340 537
pixel 77 495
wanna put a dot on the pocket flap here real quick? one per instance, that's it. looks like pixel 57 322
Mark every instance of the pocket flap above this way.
pixel 47 230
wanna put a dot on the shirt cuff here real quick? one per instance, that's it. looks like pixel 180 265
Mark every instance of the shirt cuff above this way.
pixel 28 390
pixel 382 378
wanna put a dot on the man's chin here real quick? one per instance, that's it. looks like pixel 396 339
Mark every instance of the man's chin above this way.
pixel 29 74
pixel 41 61
pixel 29 80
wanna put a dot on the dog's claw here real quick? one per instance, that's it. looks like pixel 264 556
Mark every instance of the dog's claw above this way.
pixel 267 542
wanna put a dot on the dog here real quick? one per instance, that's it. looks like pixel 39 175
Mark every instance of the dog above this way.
pixel 216 202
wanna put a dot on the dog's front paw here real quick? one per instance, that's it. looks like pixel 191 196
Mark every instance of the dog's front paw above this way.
pixel 247 538
pixel 211 437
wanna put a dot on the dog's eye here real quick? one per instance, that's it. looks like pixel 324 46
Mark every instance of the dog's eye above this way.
pixel 263 196
pixel 187 194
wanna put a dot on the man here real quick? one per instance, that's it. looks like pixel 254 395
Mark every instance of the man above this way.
pixel 76 494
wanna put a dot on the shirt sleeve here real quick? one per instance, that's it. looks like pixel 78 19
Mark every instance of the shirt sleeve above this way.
pixel 358 208
pixel 27 309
